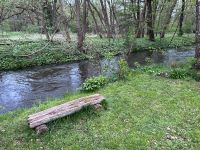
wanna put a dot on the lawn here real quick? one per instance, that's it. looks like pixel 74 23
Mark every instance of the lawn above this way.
pixel 144 112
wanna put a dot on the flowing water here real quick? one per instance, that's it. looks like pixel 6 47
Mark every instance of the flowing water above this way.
pixel 20 89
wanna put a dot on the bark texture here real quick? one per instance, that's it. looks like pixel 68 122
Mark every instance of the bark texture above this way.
pixel 167 19
pixel 150 29
pixel 181 18
pixel 62 110
pixel 197 51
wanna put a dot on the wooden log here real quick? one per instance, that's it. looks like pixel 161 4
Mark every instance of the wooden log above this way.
pixel 63 110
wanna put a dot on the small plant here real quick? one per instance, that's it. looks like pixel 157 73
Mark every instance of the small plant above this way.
pixel 163 74
pixel 195 74
pixel 137 64
pixel 174 64
pixel 130 41
pixel 178 74
pixel 94 83
pixel 124 70
pixel 150 69
pixel 148 61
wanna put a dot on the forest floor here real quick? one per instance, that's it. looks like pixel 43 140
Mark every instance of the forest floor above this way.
pixel 19 50
pixel 145 111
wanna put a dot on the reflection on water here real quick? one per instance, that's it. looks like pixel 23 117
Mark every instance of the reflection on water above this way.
pixel 19 89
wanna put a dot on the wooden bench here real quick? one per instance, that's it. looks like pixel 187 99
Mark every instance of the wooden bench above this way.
pixel 39 119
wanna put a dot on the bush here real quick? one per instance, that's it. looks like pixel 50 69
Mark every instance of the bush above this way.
pixel 195 74
pixel 124 70
pixel 178 74
pixel 32 29
pixel 94 83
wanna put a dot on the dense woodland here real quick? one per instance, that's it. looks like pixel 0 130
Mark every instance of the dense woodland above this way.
pixel 106 18
pixel 75 20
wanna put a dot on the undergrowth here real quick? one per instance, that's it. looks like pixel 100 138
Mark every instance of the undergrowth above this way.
pixel 19 54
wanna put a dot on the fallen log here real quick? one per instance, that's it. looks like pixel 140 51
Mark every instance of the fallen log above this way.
pixel 40 118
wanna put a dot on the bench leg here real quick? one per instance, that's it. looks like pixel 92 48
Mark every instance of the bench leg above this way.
pixel 41 129
pixel 97 106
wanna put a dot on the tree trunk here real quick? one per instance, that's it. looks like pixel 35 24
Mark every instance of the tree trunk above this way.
pixel 154 13
pixel 142 22
pixel 112 27
pixel 54 15
pixel 167 19
pixel 181 19
pixel 84 19
pixel 99 14
pixel 78 25
pixel 138 21
pixel 44 20
pixel 161 8
pixel 115 16
pixel 65 22
pixel 105 17
pixel 197 51
pixel 150 30
pixel 81 27
pixel 94 18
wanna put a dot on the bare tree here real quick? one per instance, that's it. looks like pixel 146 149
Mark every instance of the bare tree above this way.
pixel 65 20
pixel 197 51
pixel 181 18
pixel 138 20
pixel 81 26
pixel 7 13
pixel 167 18
pixel 105 18
pixel 94 18
pixel 150 29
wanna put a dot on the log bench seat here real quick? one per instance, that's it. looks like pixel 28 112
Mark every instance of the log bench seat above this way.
pixel 39 119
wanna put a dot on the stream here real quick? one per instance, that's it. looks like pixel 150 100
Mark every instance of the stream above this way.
pixel 23 88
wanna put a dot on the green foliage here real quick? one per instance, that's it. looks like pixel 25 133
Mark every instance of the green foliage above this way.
pixel 167 42
pixel 32 29
pixel 94 83
pixel 124 70
pixel 152 69
pixel 194 74
pixel 14 56
pixel 178 74
pixel 130 41
pixel 137 64
pixel 148 61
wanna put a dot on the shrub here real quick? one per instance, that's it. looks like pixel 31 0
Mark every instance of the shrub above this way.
pixel 124 70
pixel 137 64
pixel 195 74
pixel 178 74
pixel 94 83
pixel 148 61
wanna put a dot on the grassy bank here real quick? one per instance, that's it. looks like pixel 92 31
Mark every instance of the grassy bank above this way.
pixel 21 54
pixel 144 112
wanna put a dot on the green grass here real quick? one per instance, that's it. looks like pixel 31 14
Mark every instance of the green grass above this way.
pixel 167 42
pixel 144 112
pixel 23 54
pixel 9 34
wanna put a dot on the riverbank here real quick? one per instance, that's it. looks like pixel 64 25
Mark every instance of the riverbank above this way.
pixel 22 54
pixel 144 112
